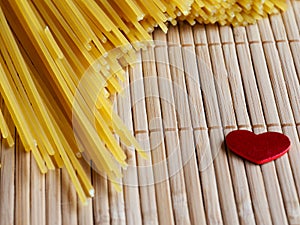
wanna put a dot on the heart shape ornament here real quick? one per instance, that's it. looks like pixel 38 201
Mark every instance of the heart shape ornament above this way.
pixel 259 149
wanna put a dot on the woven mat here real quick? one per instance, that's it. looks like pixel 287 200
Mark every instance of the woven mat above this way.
pixel 181 99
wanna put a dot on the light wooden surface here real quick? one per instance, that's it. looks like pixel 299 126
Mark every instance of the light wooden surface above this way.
pixel 180 100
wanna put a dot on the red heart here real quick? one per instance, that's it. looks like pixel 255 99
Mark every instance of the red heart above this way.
pixel 260 148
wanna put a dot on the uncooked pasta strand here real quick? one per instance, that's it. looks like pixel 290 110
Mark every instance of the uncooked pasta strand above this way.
pixel 5 131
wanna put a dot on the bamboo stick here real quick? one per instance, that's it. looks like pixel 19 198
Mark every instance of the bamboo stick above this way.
pixel 116 197
pixel 205 160
pixel 100 201
pixel 22 198
pixel 172 144
pixel 155 135
pixel 254 173
pixel 292 33
pixel 206 75
pixel 116 204
pixel 37 198
pixel 296 8
pixel 53 197
pixel 69 200
pixel 85 211
pixel 130 180
pixel 145 173
pixel 7 187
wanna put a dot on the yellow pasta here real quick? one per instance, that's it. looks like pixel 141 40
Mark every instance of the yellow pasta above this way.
pixel 61 62
pixel 5 131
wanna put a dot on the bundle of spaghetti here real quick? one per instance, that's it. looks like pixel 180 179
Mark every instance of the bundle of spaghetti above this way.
pixel 44 124
pixel 233 12
pixel 61 63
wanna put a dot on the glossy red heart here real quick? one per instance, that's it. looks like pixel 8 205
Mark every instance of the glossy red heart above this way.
pixel 259 149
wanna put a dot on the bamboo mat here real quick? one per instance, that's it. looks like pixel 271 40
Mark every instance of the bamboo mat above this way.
pixel 186 94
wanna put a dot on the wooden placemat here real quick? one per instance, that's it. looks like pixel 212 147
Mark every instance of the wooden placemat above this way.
pixel 183 96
